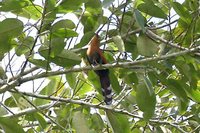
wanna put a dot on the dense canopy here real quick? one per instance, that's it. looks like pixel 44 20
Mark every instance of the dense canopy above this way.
pixel 153 53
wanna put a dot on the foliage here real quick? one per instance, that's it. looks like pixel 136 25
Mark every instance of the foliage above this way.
pixel 154 59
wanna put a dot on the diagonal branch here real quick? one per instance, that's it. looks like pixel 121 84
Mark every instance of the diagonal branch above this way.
pixel 18 81
pixel 150 34
pixel 60 101
pixel 158 38
pixel 114 65
pixel 32 110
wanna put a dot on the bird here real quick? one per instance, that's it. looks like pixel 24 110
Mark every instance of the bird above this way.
pixel 95 57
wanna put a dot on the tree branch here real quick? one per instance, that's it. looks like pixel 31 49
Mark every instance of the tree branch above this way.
pixel 175 125
pixel 32 110
pixel 148 33
pixel 158 38
pixel 16 82
pixel 60 101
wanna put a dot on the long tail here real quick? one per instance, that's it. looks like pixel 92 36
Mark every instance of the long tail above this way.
pixel 105 84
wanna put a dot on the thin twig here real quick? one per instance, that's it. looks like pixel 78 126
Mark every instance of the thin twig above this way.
pixel 196 129
pixel 175 125
pixel 32 110
pixel 38 34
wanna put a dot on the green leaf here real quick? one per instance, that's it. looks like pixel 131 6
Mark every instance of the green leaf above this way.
pixel 151 9
pixel 63 24
pixel 71 79
pixel 85 39
pixel 50 15
pixel 25 45
pixel 22 103
pixel 146 98
pixel 3 75
pixel 188 71
pixel 107 3
pixel 54 86
pixel 63 29
pixel 149 86
pixel 99 125
pixel 94 79
pixel 10 125
pixel 182 106
pixel 91 22
pixel 3 111
pixel 10 102
pixel 39 117
pixel 193 94
pixel 128 76
pixel 33 12
pixel 11 27
pixel 16 100
pixel 22 8
pixel 136 130
pixel 119 43
pixel 128 22
pixel 197 27
pixel 140 19
pixel 93 16
pixel 83 88
pixel 193 4
pixel 141 123
pixel 146 46
pixel 13 5
pixel 114 82
pixel 182 12
pixel 35 116
pixel 5 45
pixel 66 58
pixel 94 7
pixel 64 33
pixel 30 117
pixel 57 45
pixel 130 46
pixel 40 63
pixel 79 122
pixel 51 87
pixel 176 87
pixel 118 122
pixel 70 5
